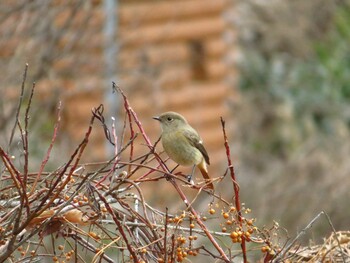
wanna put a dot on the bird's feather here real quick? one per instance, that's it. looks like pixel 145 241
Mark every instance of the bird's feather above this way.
pixel 194 139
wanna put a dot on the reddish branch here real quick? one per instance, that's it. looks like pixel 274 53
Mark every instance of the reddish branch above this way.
pixel 47 156
pixel 236 189
pixel 25 140
pixel 132 132
pixel 173 182
pixel 19 105
pixel 119 225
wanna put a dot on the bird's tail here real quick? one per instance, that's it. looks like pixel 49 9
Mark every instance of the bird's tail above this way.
pixel 204 170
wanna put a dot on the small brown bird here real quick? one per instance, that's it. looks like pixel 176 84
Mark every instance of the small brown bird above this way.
pixel 183 144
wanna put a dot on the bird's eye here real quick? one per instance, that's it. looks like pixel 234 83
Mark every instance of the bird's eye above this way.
pixel 169 119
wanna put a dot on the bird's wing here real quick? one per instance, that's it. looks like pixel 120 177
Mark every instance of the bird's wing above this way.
pixel 194 139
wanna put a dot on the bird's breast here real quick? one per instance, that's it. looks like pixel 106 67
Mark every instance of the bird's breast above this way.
pixel 177 146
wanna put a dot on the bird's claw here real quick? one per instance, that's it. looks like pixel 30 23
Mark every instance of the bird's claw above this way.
pixel 189 178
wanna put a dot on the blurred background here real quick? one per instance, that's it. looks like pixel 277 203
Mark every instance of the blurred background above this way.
pixel 278 72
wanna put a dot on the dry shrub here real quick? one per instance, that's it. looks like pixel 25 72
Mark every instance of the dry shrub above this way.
pixel 98 211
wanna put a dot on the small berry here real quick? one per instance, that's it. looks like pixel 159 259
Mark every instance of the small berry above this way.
pixel 93 235
pixel 234 234
pixel 93 213
pixel 228 222
pixel 265 249
pixel 179 259
pixel 225 215
pixel 250 222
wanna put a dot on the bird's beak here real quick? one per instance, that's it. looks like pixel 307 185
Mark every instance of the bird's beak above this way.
pixel 156 118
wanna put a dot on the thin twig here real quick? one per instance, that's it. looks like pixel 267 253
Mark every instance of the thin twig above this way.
pixel 18 106
pixel 235 187
pixel 48 153
pixel 120 227
pixel 25 140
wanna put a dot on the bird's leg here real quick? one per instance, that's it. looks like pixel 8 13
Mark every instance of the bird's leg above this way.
pixel 189 177
pixel 168 177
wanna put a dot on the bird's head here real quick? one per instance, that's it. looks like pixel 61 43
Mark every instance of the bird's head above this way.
pixel 170 120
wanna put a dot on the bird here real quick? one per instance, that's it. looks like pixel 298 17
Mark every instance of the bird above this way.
pixel 183 144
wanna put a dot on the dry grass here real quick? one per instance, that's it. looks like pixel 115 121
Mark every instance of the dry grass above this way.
pixel 329 251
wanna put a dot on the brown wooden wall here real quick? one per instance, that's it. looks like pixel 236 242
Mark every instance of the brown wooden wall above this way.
pixel 171 57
